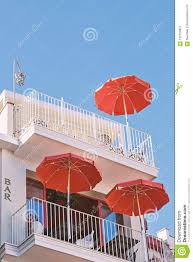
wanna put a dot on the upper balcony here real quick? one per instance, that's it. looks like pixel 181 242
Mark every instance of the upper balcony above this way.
pixel 59 116
pixel 44 125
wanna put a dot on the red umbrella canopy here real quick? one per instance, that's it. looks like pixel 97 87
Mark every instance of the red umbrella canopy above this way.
pixel 123 95
pixel 54 172
pixel 123 197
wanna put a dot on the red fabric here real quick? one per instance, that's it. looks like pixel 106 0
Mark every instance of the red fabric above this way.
pixel 137 94
pixel 53 173
pixel 123 197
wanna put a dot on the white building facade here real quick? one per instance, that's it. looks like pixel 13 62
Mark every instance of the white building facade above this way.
pixel 36 125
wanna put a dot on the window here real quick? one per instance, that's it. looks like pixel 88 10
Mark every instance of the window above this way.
pixel 34 189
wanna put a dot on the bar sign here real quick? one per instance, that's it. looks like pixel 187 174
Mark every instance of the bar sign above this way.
pixel 7 191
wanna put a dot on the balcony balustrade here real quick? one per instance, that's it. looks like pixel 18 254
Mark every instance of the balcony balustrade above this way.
pixel 87 231
pixel 54 114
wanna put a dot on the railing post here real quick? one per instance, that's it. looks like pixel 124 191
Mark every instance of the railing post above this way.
pixel 128 139
pixel 123 138
pixel 164 255
pixel 62 111
pixel 151 148
pixel 12 230
pixel 94 126
pixel 145 247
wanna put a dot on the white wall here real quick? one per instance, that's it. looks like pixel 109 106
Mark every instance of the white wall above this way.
pixel 12 175
pixel 6 120
pixel 164 234
pixel 0 195
pixel 12 191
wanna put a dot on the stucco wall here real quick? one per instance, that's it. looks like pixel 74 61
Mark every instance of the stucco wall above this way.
pixel 13 190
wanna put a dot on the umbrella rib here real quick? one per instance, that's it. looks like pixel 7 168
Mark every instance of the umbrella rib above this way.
pixel 52 175
pixel 132 205
pixel 115 103
pixel 144 187
pixel 64 163
pixel 140 193
pixel 130 187
pixel 125 81
pixel 133 210
pixel 117 97
pixel 88 182
pixel 123 92
pixel 58 166
pixel 118 200
pixel 151 201
pixel 126 94
pixel 156 189
pixel 131 89
pixel 130 100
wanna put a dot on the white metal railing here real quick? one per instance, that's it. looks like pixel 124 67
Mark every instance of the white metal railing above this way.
pixel 87 231
pixel 55 114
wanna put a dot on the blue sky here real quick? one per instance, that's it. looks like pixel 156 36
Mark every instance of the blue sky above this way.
pixel 130 37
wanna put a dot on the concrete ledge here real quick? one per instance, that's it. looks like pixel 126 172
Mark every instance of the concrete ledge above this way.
pixel 8 142
pixel 46 247
pixel 34 130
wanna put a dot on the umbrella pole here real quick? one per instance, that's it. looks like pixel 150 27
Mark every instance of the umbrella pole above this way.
pixel 68 206
pixel 142 229
pixel 125 109
pixel 44 203
pixel 128 134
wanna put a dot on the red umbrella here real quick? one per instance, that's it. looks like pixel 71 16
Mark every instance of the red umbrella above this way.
pixel 124 95
pixel 137 197
pixel 68 173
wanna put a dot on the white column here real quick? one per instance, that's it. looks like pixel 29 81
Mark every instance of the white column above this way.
pixel 12 191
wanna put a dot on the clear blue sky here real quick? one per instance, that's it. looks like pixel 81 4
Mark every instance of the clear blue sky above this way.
pixel 132 37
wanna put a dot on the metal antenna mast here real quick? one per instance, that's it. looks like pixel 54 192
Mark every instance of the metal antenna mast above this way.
pixel 18 79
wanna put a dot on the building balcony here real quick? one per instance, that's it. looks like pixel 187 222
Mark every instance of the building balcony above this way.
pixel 44 126
pixel 48 228
pixel 35 108
pixel 54 114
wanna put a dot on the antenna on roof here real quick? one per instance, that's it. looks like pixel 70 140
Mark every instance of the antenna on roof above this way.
pixel 18 79
pixel 19 76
